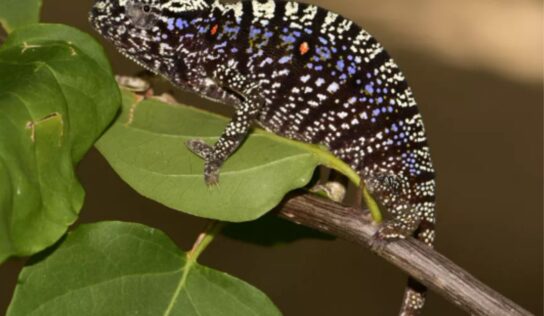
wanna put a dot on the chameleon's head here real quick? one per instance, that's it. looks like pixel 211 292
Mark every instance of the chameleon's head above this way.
pixel 140 29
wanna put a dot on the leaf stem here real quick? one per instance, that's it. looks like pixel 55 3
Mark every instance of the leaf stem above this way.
pixel 330 161
pixel 204 239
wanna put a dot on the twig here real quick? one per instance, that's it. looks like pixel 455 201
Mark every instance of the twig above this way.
pixel 204 239
pixel 428 266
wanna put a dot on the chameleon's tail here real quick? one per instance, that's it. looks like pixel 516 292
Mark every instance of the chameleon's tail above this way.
pixel 415 292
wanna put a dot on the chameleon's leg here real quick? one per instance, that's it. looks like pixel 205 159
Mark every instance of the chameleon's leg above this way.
pixel 388 187
pixel 236 130
pixel 213 91
pixel 415 293
pixel 399 227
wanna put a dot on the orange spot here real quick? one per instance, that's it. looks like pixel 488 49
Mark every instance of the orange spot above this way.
pixel 214 29
pixel 304 48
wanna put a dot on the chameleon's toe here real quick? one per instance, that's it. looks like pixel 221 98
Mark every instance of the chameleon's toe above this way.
pixel 199 148
pixel 388 232
pixel 211 174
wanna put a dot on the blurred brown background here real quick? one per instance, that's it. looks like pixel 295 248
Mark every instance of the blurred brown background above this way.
pixel 476 69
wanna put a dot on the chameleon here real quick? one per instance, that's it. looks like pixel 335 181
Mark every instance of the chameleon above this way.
pixel 299 71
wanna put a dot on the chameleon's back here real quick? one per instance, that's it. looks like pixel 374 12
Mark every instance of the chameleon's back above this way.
pixel 320 77
pixel 326 81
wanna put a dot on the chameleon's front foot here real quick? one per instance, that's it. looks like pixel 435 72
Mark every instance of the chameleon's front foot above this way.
pixel 211 167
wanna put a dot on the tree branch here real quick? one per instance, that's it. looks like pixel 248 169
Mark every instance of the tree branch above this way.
pixel 428 266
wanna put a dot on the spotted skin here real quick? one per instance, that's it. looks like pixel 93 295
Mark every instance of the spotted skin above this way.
pixel 299 71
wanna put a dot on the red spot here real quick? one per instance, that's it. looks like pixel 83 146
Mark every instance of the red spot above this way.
pixel 304 48
pixel 214 29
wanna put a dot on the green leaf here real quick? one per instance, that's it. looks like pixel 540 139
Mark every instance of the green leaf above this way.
pixel 55 100
pixel 17 13
pixel 146 148
pixel 115 268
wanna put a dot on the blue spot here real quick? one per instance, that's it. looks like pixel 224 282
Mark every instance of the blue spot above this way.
pixel 268 34
pixel 323 40
pixel 376 112
pixel 385 90
pixel 343 77
pixel 390 109
pixel 234 50
pixel 368 75
pixel 253 31
pixel 394 128
pixel 170 24
pixel 380 101
pixel 288 38
pixel 296 33
pixel 319 67
pixel 230 29
pixel 373 120
pixel 350 57
pixel 352 70
pixel 221 45
pixel 323 52
pixel 392 101
pixel 340 65
pixel 181 24
pixel 369 88
pixel 284 59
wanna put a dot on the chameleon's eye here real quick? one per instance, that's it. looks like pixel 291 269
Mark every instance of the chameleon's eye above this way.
pixel 141 15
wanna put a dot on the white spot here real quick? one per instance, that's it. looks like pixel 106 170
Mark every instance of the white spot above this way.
pixel 333 87
pixel 263 10
pixel 291 8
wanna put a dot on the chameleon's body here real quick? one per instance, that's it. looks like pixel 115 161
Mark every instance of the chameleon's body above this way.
pixel 299 71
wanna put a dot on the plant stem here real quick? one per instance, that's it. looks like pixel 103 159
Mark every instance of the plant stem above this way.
pixel 204 239
pixel 425 264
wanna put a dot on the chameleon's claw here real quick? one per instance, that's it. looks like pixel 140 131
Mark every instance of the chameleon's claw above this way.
pixel 199 148
pixel 211 174
pixel 388 232
pixel 204 151
pixel 378 243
